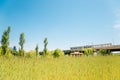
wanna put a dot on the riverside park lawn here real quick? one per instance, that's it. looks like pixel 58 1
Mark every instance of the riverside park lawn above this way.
pixel 63 68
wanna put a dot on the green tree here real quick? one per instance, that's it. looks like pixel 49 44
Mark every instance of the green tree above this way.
pixel 85 51
pixel 36 49
pixel 5 41
pixel 14 51
pixel 67 52
pixel 57 53
pixel 45 47
pixel 21 43
pixel 104 52
pixel 88 51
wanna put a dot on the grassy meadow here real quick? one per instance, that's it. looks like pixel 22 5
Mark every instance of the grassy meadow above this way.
pixel 63 68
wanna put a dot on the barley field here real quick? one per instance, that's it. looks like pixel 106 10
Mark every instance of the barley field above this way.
pixel 63 68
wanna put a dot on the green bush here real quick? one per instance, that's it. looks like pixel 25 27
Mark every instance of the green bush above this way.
pixel 67 52
pixel 9 53
pixel 105 52
pixel 58 53
pixel 21 52
pixel 88 51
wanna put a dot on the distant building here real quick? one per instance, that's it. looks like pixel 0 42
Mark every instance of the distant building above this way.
pixel 76 54
pixel 97 47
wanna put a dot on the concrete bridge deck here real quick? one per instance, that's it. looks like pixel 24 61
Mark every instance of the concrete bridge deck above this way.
pixel 111 48
pixel 97 47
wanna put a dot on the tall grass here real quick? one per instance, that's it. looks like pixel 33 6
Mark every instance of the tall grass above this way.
pixel 63 68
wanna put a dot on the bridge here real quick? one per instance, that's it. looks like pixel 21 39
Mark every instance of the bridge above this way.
pixel 107 46
pixel 111 48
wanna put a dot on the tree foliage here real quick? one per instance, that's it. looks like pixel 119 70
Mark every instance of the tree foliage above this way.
pixel 57 53
pixel 45 47
pixel 88 51
pixel 5 41
pixel 104 52
pixel 67 52
pixel 21 43
pixel 14 51
pixel 36 49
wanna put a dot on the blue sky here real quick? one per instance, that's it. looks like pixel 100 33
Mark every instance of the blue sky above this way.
pixel 65 23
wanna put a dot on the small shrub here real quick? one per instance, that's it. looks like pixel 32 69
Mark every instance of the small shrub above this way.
pixel 9 53
pixel 58 53
pixel 105 52
pixel 88 51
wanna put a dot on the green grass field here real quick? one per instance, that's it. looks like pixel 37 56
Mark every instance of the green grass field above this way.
pixel 63 68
